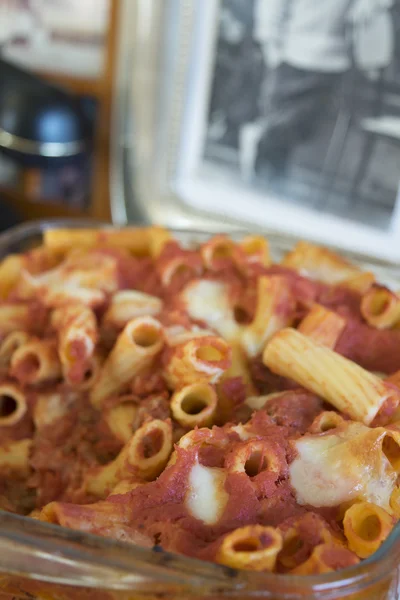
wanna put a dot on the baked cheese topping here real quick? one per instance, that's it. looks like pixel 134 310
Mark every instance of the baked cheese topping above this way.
pixel 206 498
pixel 208 301
pixel 332 468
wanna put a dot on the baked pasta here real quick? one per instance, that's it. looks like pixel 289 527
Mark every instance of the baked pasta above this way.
pixel 202 400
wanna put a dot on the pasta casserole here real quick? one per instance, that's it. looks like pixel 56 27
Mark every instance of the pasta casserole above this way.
pixel 203 400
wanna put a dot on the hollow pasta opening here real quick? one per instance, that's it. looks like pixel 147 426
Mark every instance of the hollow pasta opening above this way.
pixel 145 335
pixel 391 450
pixel 290 548
pixel 378 303
pixel 151 443
pixel 327 423
pixel 181 270
pixel 75 349
pixel 241 315
pixel 369 528
pixel 8 405
pixel 88 374
pixel 255 464
pixel 247 545
pixel 193 404
pixel 222 250
pixel 209 354
pixel 11 345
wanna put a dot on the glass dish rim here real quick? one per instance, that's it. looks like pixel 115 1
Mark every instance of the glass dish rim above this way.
pixel 86 549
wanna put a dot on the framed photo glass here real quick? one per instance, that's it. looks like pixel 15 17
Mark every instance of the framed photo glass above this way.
pixel 270 114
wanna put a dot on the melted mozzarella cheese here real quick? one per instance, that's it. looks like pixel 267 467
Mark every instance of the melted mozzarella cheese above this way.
pixel 208 301
pixel 335 467
pixel 258 402
pixel 242 432
pixel 206 498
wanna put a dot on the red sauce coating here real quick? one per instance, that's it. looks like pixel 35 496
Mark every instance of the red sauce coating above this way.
pixel 63 450
pixel 310 530
pixel 295 409
pixel 257 489
pixel 373 349
pixel 338 558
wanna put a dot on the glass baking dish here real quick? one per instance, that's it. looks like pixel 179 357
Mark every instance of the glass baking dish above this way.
pixel 47 562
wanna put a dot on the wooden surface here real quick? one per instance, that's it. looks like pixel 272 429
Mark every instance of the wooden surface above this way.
pixel 77 85
pixel 100 200
pixel 30 211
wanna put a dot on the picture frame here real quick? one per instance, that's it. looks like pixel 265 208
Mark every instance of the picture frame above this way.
pixel 161 169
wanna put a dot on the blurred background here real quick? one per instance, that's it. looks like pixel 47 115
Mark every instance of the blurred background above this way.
pixel 55 127
pixel 306 102
pixel 303 105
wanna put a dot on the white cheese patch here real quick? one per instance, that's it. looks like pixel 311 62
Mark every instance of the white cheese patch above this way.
pixel 177 334
pixel 206 498
pixel 258 402
pixel 335 467
pixel 242 432
pixel 208 301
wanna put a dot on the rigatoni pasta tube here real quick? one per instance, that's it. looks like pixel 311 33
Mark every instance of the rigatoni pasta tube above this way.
pixel 180 265
pixel 344 384
pixel 77 337
pixel 201 359
pixel 322 325
pixel 42 259
pixel 326 558
pixel 150 448
pixel 359 282
pixel 15 317
pixel 36 362
pixel 319 263
pixel 10 270
pixel 126 485
pixel 134 239
pixel 301 536
pixel 195 405
pixel 10 345
pixel 177 334
pixel 253 456
pixel 326 421
pixel 97 516
pixel 158 238
pixel 128 305
pixel 273 311
pixel 380 307
pixel 216 251
pixel 91 373
pixel 136 346
pixel 84 277
pixel 14 456
pixel 238 370
pixel 395 380
pixel 256 249
pixel 252 547
pixel 120 420
pixel 366 526
pixel 144 456
pixel 13 405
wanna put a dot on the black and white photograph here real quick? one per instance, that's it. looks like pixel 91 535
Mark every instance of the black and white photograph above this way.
pixel 304 104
